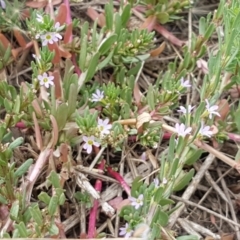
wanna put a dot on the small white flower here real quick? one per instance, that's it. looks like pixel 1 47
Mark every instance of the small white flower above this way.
pixel 50 38
pixel 37 36
pixel 211 110
pixel 205 130
pixel 36 58
pixel 164 181
pixel 184 110
pixel 97 96
pixel 57 26
pixel 89 143
pixel 3 4
pixel 136 202
pixel 103 126
pixel 185 84
pixel 126 231
pixel 182 130
pixel 156 182
pixel 39 18
pixel 45 80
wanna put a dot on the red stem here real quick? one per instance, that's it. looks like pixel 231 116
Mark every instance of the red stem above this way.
pixel 93 212
pixel 68 21
pixel 120 179
pixel 69 18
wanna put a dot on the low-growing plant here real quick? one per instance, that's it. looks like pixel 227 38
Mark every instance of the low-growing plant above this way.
pixel 71 107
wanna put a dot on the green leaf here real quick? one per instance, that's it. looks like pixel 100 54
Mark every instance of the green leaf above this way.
pixel 184 180
pixel 174 167
pixel 134 70
pixel 151 98
pixel 109 12
pixel 54 179
pixel 72 99
pixel 14 210
pixel 83 53
pixel 36 214
pixel 163 17
pixel 104 63
pixel 8 105
pixel 193 155
pixel 3 200
pixel 23 168
pixel 209 31
pixel 22 230
pixel 117 24
pixel 126 15
pixel 6 235
pixel 16 143
pixel 107 44
pixel 156 231
pixel 7 55
pixel 61 116
pixel 171 151
pixel 162 218
pixel 166 201
pixel 237 117
pixel 17 105
pixel 53 230
pixel 158 194
pixel 202 26
pixel 135 186
pixel 52 207
pixel 92 67
pixel 44 197
pixel 94 35
pixel 62 199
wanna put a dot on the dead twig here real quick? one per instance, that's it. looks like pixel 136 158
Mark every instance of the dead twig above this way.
pixel 205 209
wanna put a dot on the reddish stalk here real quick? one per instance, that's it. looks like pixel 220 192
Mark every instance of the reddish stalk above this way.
pixel 69 21
pixel 120 179
pixel 93 212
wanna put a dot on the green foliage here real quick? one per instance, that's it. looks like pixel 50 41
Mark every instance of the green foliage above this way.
pixel 109 107
pixel 165 11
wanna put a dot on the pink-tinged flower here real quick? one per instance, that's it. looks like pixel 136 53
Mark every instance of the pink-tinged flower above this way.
pixel 156 182
pixel 136 202
pixel 205 130
pixel 39 18
pixel 89 143
pixel 50 38
pixel 2 4
pixel 144 156
pixel 211 109
pixel 186 110
pixel 97 96
pixel 103 126
pixel 126 231
pixel 182 130
pixel 45 80
pixel 185 84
